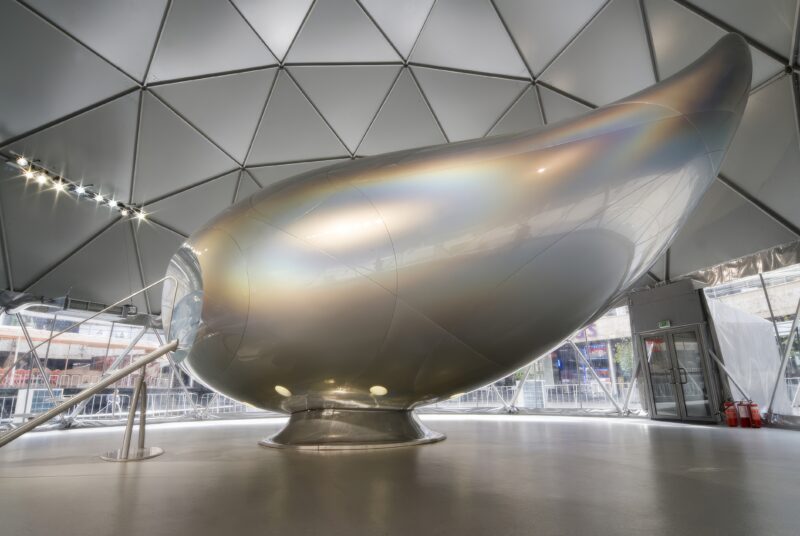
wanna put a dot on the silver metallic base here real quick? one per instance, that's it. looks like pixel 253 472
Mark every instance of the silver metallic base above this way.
pixel 352 429
pixel 133 456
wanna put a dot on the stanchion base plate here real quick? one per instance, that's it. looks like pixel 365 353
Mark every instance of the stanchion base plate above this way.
pixel 134 455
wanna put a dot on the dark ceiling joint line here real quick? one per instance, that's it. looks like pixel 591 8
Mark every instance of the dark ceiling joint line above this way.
pixel 378 26
pixel 667 259
pixel 419 33
pixel 297 33
pixel 289 162
pixel 258 35
pixel 469 71
pixel 572 40
pixel 191 78
pixel 795 80
pixel 567 95
pixel 261 115
pixel 758 204
pixel 513 39
pixel 341 63
pixel 653 276
pixel 141 267
pixel 649 35
pixel 160 31
pixel 6 256
pixel 316 109
pixel 774 78
pixel 428 104
pixel 780 58
pixel 795 37
pixel 238 185
pixel 253 178
pixel 72 253
pixel 136 147
pixel 378 111
pixel 508 109
pixel 168 228
pixel 76 113
pixel 195 127
pixel 39 14
pixel 539 101
pixel 187 188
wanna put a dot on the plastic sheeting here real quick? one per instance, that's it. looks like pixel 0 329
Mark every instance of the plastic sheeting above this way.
pixel 751 354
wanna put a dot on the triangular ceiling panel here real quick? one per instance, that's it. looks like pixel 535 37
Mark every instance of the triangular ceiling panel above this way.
pixel 468 34
pixel 764 157
pixel 558 107
pixel 724 226
pixel 53 78
pixel 291 129
pixel 467 105
pixel 768 21
pixel 189 210
pixel 340 31
pixel 43 226
pixel 347 96
pixel 669 20
pixel 401 21
pixel 403 122
pixel 276 21
pixel 226 108
pixel 156 247
pixel 204 37
pixel 171 154
pixel 123 32
pixel 608 60
pixel 94 148
pixel 247 187
pixel 524 115
pixel 544 27
pixel 104 271
pixel 267 175
pixel 5 284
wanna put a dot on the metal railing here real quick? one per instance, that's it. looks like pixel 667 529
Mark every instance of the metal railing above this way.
pixel 86 394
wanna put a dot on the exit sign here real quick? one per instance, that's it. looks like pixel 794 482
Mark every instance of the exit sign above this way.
pixel 664 324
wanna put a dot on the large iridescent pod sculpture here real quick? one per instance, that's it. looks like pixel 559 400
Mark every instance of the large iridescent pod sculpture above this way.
pixel 348 295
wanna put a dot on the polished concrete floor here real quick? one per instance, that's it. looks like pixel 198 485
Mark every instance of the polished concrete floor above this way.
pixel 494 475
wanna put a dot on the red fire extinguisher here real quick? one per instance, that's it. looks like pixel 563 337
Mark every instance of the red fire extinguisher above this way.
pixel 755 414
pixel 730 414
pixel 744 414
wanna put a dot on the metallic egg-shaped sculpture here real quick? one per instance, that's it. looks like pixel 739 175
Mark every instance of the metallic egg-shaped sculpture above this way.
pixel 348 295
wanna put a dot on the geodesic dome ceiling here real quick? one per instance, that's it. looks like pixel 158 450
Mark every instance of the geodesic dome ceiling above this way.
pixel 187 106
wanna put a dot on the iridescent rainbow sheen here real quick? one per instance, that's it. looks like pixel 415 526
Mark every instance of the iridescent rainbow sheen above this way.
pixel 432 271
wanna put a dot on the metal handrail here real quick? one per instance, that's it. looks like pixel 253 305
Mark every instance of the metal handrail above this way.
pixel 85 394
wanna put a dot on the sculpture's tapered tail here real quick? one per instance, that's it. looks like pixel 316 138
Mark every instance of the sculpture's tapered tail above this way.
pixel 402 279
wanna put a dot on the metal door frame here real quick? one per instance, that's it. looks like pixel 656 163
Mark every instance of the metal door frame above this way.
pixel 699 331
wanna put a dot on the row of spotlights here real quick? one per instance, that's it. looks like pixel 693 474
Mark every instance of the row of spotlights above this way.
pixel 31 171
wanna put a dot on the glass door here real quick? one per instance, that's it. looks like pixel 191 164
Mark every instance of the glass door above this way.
pixel 662 380
pixel 691 375
pixel 675 361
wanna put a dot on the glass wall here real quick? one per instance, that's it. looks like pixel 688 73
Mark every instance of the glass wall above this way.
pixel 772 297
pixel 565 381
pixel 80 357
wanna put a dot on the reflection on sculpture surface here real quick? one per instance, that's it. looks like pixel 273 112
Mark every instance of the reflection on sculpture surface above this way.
pixel 402 279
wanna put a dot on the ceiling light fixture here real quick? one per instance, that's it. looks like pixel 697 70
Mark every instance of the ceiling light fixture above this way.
pixel 31 169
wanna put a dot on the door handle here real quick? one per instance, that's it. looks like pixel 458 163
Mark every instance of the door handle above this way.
pixel 682 373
